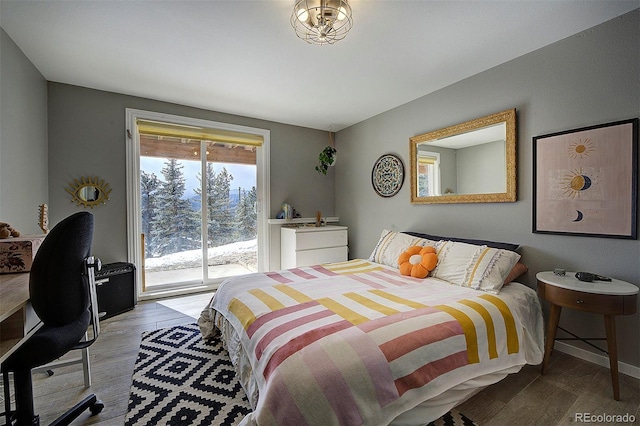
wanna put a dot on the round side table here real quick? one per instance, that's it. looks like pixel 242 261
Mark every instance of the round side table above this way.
pixel 608 298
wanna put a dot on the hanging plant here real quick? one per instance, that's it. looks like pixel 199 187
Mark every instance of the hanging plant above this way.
pixel 326 158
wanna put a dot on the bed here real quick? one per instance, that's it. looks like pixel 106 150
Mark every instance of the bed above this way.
pixel 357 342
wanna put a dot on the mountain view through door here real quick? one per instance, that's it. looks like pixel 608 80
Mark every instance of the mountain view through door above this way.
pixel 198 210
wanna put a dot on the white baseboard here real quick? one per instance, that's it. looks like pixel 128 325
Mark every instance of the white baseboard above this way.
pixel 624 368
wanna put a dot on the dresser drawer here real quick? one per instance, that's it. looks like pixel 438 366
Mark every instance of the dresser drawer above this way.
pixel 312 246
pixel 326 255
pixel 590 302
pixel 314 240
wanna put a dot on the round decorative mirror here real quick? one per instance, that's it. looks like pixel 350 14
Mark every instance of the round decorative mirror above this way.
pixel 89 192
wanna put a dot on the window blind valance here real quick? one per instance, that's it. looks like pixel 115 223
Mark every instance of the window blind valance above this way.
pixel 155 128
pixel 423 159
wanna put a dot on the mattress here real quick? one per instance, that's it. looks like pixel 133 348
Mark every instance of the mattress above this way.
pixel 358 343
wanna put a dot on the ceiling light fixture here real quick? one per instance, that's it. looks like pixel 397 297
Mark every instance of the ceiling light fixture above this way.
pixel 321 21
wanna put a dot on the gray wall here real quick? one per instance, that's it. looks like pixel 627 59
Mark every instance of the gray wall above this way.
pixel 87 137
pixel 23 139
pixel 481 168
pixel 586 79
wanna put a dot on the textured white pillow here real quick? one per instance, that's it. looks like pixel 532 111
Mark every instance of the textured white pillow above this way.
pixel 478 267
pixel 391 244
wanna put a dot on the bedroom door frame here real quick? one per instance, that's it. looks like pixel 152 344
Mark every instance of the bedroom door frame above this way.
pixel 134 245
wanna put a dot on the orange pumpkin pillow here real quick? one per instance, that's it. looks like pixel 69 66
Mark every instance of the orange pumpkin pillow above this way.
pixel 418 261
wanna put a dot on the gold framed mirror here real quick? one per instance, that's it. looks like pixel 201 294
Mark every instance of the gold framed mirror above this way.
pixel 89 191
pixel 470 162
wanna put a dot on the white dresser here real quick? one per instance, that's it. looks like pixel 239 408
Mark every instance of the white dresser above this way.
pixel 309 245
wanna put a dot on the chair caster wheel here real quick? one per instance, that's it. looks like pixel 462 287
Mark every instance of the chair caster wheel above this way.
pixel 96 407
pixel 49 373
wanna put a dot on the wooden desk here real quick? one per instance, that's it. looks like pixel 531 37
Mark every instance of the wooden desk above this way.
pixel 599 297
pixel 14 298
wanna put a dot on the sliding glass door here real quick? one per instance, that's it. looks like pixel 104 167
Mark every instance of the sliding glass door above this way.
pixel 198 197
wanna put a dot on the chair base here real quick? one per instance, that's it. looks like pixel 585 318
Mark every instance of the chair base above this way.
pixel 28 418
pixel 35 421
pixel 11 421
pixel 91 402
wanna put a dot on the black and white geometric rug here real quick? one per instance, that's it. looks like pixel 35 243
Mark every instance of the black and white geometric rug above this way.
pixel 453 418
pixel 179 379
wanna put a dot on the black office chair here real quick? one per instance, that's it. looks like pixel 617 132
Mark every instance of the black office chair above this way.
pixel 62 293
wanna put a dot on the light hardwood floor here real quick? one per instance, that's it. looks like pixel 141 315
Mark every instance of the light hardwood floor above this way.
pixel 570 386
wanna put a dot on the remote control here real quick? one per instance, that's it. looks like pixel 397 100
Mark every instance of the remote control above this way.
pixel 589 277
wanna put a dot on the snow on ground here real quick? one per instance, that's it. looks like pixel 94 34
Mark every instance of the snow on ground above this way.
pixel 244 252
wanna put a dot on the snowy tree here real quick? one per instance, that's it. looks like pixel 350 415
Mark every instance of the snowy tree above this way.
pixel 220 215
pixel 246 218
pixel 149 184
pixel 176 226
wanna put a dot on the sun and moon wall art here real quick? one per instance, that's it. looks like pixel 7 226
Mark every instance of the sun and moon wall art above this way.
pixel 584 181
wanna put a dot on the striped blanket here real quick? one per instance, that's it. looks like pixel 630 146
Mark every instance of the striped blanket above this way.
pixel 357 343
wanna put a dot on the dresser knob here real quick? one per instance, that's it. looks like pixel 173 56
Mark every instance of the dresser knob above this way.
pixel 579 302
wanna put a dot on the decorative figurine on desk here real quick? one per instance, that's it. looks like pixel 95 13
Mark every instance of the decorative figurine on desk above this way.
pixel 7 231
pixel 43 218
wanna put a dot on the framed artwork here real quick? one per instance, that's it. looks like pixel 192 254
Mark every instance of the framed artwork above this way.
pixel 585 181
pixel 387 175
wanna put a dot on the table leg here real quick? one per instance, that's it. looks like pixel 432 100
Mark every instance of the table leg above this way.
pixel 552 328
pixel 612 347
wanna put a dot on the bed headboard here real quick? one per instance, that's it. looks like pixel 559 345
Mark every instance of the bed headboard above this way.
pixel 492 244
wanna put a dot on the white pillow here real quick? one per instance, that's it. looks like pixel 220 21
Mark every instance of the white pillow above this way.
pixel 478 267
pixel 392 244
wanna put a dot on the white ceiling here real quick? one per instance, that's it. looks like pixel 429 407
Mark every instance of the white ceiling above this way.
pixel 243 57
